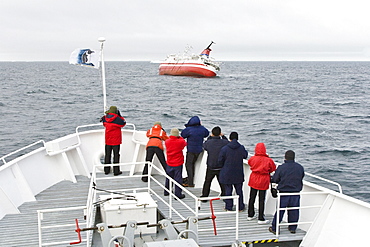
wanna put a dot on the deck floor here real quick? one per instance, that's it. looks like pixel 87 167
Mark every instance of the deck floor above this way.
pixel 21 229
pixel 249 231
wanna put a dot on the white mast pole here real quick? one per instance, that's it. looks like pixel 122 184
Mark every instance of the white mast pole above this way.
pixel 101 40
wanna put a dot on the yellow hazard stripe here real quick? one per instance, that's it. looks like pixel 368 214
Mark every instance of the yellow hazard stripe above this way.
pixel 262 241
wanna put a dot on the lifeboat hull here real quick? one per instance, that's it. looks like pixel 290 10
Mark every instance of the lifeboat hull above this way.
pixel 187 69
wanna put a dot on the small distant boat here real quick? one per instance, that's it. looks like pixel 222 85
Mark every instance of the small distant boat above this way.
pixel 201 65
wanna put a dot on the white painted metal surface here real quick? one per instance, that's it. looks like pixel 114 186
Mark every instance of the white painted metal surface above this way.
pixel 142 209
pixel 339 220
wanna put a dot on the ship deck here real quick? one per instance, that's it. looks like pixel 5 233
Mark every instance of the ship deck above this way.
pixel 22 229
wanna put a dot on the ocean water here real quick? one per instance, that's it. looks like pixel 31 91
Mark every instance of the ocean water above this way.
pixel 321 110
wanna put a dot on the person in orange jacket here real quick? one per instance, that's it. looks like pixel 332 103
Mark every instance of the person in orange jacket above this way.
pixel 156 135
pixel 259 181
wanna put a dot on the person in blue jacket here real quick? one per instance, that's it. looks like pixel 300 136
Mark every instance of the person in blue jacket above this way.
pixel 194 133
pixel 213 146
pixel 289 177
pixel 232 171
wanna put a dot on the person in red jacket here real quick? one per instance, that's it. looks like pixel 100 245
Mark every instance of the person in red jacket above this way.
pixel 113 122
pixel 259 181
pixel 175 160
pixel 156 135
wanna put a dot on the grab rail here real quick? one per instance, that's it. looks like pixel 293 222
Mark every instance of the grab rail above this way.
pixel 279 209
pixel 40 217
pixel 99 124
pixel 79 140
pixel 18 150
pixel 322 179
pixel 78 144
pixel 197 201
pixel 326 180
pixel 171 182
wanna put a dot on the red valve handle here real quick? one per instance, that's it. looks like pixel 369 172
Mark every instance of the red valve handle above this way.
pixel 213 215
pixel 78 230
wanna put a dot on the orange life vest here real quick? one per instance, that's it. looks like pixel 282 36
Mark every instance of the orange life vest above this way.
pixel 156 136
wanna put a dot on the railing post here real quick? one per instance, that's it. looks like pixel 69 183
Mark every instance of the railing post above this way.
pixel 278 216
pixel 170 184
pixel 39 216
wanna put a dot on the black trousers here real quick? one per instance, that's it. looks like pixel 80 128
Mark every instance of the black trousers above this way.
pixel 261 203
pixel 210 174
pixel 191 158
pixel 150 151
pixel 108 158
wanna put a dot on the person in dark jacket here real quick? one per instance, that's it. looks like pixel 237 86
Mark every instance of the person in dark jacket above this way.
pixel 213 146
pixel 259 181
pixel 232 171
pixel 194 133
pixel 289 177
pixel 113 122
pixel 156 135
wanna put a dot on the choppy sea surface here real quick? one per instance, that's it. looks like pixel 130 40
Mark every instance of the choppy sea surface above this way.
pixel 321 110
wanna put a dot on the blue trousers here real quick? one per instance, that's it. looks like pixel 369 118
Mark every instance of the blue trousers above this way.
pixel 293 215
pixel 174 172
pixel 228 192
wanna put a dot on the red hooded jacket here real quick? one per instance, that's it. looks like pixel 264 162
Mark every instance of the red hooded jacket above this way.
pixel 174 147
pixel 113 124
pixel 261 165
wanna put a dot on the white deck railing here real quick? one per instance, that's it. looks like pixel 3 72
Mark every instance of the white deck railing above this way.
pixel 279 209
pixel 21 149
pixel 42 214
pixel 197 200
pixel 326 180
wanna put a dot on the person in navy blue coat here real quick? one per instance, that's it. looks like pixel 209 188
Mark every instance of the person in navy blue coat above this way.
pixel 232 171
pixel 213 146
pixel 194 133
pixel 289 177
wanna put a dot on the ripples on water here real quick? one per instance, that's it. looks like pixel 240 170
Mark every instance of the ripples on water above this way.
pixel 319 109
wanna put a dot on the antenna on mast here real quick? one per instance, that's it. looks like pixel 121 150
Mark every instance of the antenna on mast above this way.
pixel 102 40
pixel 209 46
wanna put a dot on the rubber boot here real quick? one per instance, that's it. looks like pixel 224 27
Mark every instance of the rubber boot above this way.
pixel 116 170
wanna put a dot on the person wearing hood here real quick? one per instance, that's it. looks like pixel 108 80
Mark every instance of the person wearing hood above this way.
pixel 213 146
pixel 289 177
pixel 259 181
pixel 194 133
pixel 156 135
pixel 113 123
pixel 232 170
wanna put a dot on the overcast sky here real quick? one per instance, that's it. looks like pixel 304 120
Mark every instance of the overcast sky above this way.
pixel 247 30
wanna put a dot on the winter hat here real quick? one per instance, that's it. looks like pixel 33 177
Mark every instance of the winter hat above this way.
pixel 234 135
pixel 175 132
pixel 289 155
pixel 112 109
pixel 216 131
pixel 158 123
